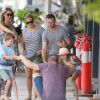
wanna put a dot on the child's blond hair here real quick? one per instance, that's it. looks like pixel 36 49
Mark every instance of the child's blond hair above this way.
pixel 9 36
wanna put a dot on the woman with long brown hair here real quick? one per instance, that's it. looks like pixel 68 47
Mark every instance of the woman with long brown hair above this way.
pixel 6 22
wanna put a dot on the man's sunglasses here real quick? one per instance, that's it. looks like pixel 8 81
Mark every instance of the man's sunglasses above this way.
pixel 30 22
pixel 8 14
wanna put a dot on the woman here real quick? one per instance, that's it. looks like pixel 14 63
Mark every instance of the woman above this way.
pixel 6 25
pixel 32 37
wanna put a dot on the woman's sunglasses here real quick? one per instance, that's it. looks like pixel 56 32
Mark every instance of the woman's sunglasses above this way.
pixel 30 22
pixel 8 14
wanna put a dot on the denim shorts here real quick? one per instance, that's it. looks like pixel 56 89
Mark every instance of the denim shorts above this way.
pixel 36 59
pixel 39 84
pixel 6 74
pixel 78 69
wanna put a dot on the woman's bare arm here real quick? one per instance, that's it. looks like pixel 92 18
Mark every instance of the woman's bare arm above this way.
pixel 3 28
pixel 7 30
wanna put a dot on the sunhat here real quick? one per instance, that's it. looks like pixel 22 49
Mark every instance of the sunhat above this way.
pixel 63 51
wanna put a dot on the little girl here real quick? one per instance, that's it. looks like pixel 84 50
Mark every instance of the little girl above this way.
pixel 74 64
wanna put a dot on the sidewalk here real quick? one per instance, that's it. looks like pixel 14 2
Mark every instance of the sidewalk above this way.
pixel 21 85
pixel 70 92
pixel 22 88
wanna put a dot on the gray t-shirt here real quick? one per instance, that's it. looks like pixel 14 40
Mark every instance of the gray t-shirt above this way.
pixel 33 41
pixel 52 38
pixel 54 81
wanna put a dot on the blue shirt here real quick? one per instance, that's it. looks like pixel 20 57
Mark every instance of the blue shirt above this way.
pixel 6 64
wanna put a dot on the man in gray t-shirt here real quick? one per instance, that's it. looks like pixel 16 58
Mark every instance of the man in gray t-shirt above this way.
pixel 53 38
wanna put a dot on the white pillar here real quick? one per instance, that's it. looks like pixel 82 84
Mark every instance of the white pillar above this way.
pixel 47 6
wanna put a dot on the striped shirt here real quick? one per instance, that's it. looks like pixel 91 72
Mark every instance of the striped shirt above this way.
pixel 33 41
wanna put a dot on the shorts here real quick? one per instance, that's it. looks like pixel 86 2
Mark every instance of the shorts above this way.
pixel 38 81
pixel 6 74
pixel 36 59
pixel 78 69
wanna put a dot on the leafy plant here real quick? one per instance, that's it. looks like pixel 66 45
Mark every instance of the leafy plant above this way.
pixel 92 10
pixel 36 14
pixel 22 12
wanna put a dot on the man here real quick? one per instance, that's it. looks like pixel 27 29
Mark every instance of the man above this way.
pixel 54 77
pixel 53 38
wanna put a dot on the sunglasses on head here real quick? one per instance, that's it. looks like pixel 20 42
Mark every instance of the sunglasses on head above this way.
pixel 9 14
pixel 29 22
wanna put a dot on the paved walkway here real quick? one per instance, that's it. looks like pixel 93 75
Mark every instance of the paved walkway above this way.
pixel 22 90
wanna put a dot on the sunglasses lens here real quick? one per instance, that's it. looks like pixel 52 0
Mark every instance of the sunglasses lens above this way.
pixel 29 22
pixel 9 14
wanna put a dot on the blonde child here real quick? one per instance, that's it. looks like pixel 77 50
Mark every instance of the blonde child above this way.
pixel 6 64
pixel 74 64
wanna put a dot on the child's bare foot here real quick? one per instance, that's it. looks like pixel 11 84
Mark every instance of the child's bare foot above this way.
pixel 17 99
pixel 38 98
pixel 0 98
pixel 76 98
pixel 6 98
pixel 28 98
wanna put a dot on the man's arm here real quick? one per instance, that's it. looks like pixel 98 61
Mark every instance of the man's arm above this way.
pixel 61 43
pixel 68 41
pixel 66 37
pixel 44 51
pixel 27 62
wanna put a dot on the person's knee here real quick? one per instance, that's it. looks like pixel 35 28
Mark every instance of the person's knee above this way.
pixel 9 82
pixel 73 79
pixel 29 77
pixel 29 74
